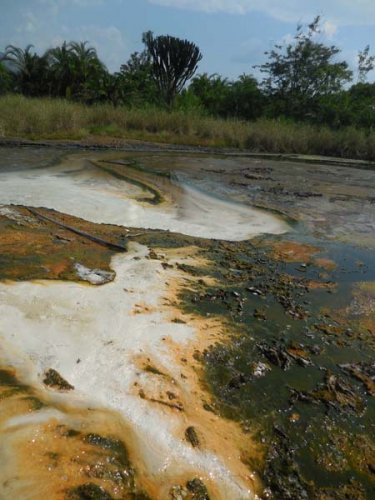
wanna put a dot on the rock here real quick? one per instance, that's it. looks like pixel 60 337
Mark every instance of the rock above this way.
pixel 259 314
pixel 94 276
pixel 363 372
pixel 192 436
pixel 53 379
pixel 197 489
pixel 88 491
pixel 260 369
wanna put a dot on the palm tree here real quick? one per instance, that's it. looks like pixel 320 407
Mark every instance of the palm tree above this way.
pixel 87 67
pixel 61 68
pixel 30 70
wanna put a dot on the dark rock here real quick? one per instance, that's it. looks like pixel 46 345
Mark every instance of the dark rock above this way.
pixel 192 436
pixel 197 489
pixel 89 491
pixel 53 379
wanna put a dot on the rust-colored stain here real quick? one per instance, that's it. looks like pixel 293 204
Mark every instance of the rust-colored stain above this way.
pixel 369 324
pixel 362 307
pixel 57 458
pixel 291 251
pixel 327 264
pixel 31 248
pixel 319 285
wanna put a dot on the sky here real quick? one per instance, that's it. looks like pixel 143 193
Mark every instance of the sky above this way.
pixel 231 34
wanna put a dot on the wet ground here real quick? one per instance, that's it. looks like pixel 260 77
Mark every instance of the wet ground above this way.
pixel 255 372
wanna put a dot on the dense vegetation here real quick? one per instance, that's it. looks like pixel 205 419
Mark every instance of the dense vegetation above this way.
pixel 304 81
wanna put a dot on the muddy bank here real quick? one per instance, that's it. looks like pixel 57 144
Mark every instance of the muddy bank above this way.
pixel 330 203
pixel 137 146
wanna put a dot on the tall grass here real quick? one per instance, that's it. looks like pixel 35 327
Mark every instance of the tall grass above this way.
pixel 61 119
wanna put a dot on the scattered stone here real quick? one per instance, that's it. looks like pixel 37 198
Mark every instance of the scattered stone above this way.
pixel 294 417
pixel 94 276
pixel 88 491
pixel 208 407
pixel 276 354
pixel 259 314
pixel 178 492
pixel 334 393
pixel 165 265
pixel 192 436
pixel 364 372
pixel 53 379
pixel 260 369
pixel 197 489
pixel 152 255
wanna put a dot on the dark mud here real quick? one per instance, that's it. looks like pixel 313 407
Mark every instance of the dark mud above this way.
pixel 292 369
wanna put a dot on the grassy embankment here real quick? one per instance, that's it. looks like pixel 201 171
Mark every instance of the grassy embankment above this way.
pixel 60 119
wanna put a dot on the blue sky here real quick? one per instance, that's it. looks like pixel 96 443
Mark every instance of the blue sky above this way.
pixel 232 34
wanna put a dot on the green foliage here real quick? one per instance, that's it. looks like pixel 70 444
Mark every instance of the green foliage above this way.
pixel 362 104
pixel 174 62
pixel 63 119
pixel 241 98
pixel 88 72
pixel 212 91
pixel 6 80
pixel 136 84
pixel 72 70
pixel 301 72
pixel 188 103
pixel 76 71
pixel 245 98
pixel 366 63
pixel 61 70
pixel 29 69
pixel 353 107
pixel 304 81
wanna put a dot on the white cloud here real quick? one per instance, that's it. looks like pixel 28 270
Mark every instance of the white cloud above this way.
pixel 39 23
pixel 234 7
pixel 109 43
pixel 342 12
pixel 30 22
pixel 64 3
pixel 329 29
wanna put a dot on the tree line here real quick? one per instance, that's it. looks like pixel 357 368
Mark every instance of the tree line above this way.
pixel 304 80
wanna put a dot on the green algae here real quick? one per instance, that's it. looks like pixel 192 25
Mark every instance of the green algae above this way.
pixel 135 164
pixel 279 373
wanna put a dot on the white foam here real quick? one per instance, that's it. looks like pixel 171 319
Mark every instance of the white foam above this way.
pixel 53 324
pixel 103 199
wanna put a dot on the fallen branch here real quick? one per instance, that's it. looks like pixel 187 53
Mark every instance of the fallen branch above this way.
pixel 95 239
